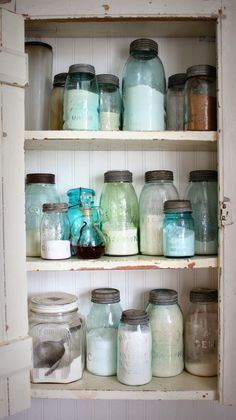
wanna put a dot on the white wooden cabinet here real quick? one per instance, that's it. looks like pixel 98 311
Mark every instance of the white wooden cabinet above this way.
pixel 187 32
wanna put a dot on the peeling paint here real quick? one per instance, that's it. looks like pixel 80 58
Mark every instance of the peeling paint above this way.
pixel 106 8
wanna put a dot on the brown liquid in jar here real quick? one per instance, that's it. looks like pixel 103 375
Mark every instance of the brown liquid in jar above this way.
pixel 90 252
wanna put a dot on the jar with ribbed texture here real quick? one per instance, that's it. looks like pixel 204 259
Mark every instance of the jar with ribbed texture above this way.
pixel 175 102
pixel 57 95
pixel 110 104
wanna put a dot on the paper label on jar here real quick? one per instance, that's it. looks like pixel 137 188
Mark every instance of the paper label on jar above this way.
pixel 121 242
pixel 55 249
pixel 81 110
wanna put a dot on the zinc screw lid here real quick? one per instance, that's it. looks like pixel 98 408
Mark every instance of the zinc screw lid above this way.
pixel 163 297
pixel 172 206
pixel 143 44
pixel 201 70
pixel 82 68
pixel 40 178
pixel 203 295
pixel 203 175
pixel 105 295
pixel 118 176
pixel 134 317
pixel 60 79
pixel 177 79
pixel 55 207
pixel 159 175
pixel 108 78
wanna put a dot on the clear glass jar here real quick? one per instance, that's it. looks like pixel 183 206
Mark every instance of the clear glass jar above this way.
pixel 91 242
pixel 55 232
pixel 175 102
pixel 202 192
pixel 119 208
pixel 134 364
pixel 57 95
pixel 157 189
pixel 178 229
pixel 110 102
pixel 143 88
pixel 200 98
pixel 201 333
pixel 102 325
pixel 57 330
pixel 81 99
pixel 40 189
pixel 166 321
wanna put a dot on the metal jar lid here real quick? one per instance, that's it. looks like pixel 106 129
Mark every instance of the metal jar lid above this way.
pixel 172 206
pixel 60 79
pixel 108 78
pixel 53 303
pixel 158 176
pixel 55 207
pixel 143 44
pixel 82 68
pixel 203 295
pixel 177 79
pixel 40 178
pixel 105 295
pixel 118 176
pixel 202 175
pixel 134 317
pixel 201 70
pixel 37 44
pixel 163 297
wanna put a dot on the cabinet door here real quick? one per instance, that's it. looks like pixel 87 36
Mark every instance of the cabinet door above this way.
pixel 15 345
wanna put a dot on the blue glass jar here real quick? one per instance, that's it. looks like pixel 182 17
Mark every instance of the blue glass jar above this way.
pixel 91 242
pixel 178 229
pixel 143 88
pixel 110 102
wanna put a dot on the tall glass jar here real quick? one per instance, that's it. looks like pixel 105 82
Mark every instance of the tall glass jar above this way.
pixel 202 192
pixel 200 98
pixel 110 102
pixel 40 189
pixel 119 207
pixel 178 229
pixel 81 99
pixel 57 95
pixel 57 330
pixel 102 325
pixel 167 332
pixel 55 232
pixel 91 242
pixel 201 333
pixel 143 88
pixel 134 364
pixel 158 188
pixel 175 102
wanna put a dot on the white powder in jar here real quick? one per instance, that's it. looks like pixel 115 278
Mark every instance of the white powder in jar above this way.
pixel 102 351
pixel 151 235
pixel 120 242
pixel 208 367
pixel 109 120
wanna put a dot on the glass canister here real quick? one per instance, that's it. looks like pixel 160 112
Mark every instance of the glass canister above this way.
pixel 178 229
pixel 57 330
pixel 201 333
pixel 81 99
pixel 143 87
pixel 37 94
pixel 157 189
pixel 91 242
pixel 200 98
pixel 57 95
pixel 175 102
pixel 134 364
pixel 119 208
pixel 110 102
pixel 167 333
pixel 102 325
pixel 202 192
pixel 55 232
pixel 40 189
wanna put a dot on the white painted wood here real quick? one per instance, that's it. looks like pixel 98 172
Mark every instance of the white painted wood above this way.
pixel 13 68
pixel 19 392
pixel 9 363
pixel 11 39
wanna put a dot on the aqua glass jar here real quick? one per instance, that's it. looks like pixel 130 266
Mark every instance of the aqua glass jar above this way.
pixel 143 88
pixel 40 188
pixel 91 242
pixel 81 99
pixel 158 188
pixel 202 192
pixel 175 102
pixel 102 326
pixel 167 333
pixel 110 102
pixel 119 209
pixel 178 229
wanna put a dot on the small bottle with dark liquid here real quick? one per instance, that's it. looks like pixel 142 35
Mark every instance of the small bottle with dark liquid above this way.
pixel 91 243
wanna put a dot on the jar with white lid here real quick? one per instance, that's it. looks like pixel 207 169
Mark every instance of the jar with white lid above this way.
pixel 57 330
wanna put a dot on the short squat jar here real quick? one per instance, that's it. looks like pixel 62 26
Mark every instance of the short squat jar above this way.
pixel 158 188
pixel 178 229
pixel 57 95
pixel 109 101
pixel 175 102
pixel 57 330
pixel 55 232
pixel 201 333
pixel 102 325
pixel 167 333
pixel 134 364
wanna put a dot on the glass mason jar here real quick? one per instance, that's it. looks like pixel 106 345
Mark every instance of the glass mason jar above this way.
pixel 178 229
pixel 175 102
pixel 40 189
pixel 91 242
pixel 57 95
pixel 119 208
pixel 202 192
pixel 134 364
pixel 110 102
pixel 81 99
pixel 55 232
pixel 143 88
pixel 167 332
pixel 200 98
pixel 102 325
pixel 201 333
pixel 57 330
pixel 157 189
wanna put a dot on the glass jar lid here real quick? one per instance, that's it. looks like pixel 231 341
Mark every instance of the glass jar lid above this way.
pixel 134 317
pixel 105 295
pixel 177 79
pixel 53 303
pixel 40 178
pixel 108 78
pixel 163 297
pixel 143 44
pixel 118 176
pixel 203 295
pixel 55 207
pixel 201 70
pixel 181 206
pixel 203 175
pixel 82 68
pixel 158 176
pixel 60 79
